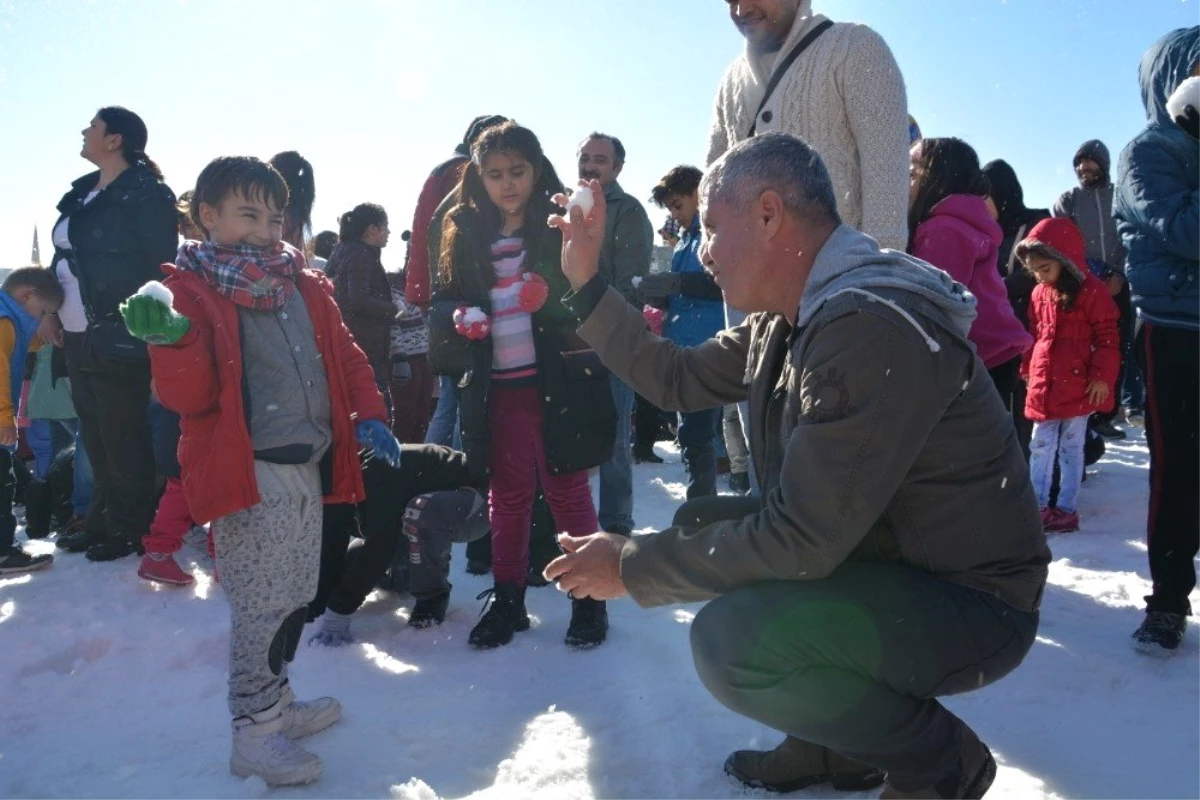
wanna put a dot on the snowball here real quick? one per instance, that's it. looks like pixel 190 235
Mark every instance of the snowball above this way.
pixel 582 199
pixel 159 292
pixel 470 316
pixel 637 281
pixel 1188 94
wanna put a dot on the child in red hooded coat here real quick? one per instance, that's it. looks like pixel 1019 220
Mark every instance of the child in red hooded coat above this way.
pixel 1072 369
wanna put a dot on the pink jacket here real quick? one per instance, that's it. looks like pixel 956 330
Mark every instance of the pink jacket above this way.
pixel 961 238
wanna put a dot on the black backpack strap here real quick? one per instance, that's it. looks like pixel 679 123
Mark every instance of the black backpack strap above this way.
pixel 782 67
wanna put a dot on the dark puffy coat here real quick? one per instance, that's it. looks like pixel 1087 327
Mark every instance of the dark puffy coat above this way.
pixel 578 415
pixel 121 239
pixel 1073 346
pixel 364 296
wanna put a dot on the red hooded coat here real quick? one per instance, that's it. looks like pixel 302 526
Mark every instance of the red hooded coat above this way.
pixel 1073 346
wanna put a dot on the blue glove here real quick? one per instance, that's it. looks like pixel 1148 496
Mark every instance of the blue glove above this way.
pixel 374 434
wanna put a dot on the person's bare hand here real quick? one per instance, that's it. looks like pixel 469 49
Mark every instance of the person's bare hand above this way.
pixel 1115 282
pixel 1097 392
pixel 50 330
pixel 8 436
pixel 582 236
pixel 591 566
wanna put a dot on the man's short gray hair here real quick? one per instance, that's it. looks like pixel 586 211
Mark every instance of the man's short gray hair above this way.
pixel 777 162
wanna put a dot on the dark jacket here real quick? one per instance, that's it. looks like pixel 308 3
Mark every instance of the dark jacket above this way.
pixel 1158 194
pixel 578 416
pixel 875 431
pixel 362 292
pixel 628 242
pixel 1091 209
pixel 1016 220
pixel 120 239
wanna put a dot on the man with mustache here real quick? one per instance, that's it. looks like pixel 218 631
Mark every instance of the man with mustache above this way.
pixel 628 244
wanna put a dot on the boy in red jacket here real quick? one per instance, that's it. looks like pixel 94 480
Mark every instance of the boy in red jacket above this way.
pixel 250 349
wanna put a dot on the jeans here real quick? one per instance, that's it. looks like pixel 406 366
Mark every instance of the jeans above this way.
pixel 1066 437
pixel 616 474
pixel 697 437
pixel 443 428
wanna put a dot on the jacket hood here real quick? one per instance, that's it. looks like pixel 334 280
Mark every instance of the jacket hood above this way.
pixel 1058 238
pixel 1006 192
pixel 477 126
pixel 1096 151
pixel 851 261
pixel 970 209
pixel 1167 63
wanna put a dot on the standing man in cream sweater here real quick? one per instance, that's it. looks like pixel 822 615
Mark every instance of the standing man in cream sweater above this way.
pixel 844 96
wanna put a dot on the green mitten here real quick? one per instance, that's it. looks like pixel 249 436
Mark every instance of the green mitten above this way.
pixel 153 321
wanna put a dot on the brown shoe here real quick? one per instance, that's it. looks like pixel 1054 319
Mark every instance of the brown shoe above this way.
pixel 970 779
pixel 796 764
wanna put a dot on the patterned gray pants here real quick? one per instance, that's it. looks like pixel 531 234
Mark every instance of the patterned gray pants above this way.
pixel 269 557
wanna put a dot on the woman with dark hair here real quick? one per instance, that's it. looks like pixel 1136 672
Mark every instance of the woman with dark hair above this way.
pixel 534 400
pixel 302 193
pixel 950 227
pixel 116 227
pixel 322 248
pixel 361 287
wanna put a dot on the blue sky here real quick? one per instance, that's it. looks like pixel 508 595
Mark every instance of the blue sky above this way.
pixel 376 92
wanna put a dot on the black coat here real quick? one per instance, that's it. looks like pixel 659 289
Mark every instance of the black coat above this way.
pixel 121 238
pixel 578 416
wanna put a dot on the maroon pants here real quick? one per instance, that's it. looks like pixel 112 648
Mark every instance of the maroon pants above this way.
pixel 518 461
pixel 413 403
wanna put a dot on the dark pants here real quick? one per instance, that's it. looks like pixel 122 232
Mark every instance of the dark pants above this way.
pixel 1007 379
pixel 112 408
pixel 413 400
pixel 854 661
pixel 1131 387
pixel 697 440
pixel 8 487
pixel 1169 361
pixel 649 424
pixel 349 574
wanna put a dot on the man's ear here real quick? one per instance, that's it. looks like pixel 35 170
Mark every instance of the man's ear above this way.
pixel 770 211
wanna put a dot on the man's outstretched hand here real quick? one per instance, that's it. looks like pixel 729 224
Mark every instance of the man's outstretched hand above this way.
pixel 591 566
pixel 583 236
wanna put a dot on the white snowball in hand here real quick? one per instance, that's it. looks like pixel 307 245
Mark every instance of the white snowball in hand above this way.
pixel 159 292
pixel 582 199
pixel 637 281
pixel 1188 94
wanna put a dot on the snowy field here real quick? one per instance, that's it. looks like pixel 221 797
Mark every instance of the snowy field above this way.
pixel 116 688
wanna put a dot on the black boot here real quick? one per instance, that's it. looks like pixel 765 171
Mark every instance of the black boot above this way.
pixel 645 455
pixel 504 616
pixel 37 509
pixel 589 624
pixel 114 547
pixel 79 541
pixel 429 611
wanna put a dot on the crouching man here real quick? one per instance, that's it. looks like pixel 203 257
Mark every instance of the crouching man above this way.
pixel 896 555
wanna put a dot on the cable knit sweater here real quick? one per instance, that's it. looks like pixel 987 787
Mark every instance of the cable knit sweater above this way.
pixel 845 97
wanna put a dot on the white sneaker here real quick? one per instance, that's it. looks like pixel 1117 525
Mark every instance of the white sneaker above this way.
pixel 302 719
pixel 261 748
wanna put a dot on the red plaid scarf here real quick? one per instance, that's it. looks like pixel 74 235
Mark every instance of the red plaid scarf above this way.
pixel 253 277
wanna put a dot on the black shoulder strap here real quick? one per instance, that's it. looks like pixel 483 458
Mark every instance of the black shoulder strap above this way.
pixel 782 67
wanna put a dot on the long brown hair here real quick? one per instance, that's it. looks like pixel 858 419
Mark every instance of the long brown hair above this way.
pixel 118 120
pixel 943 167
pixel 475 221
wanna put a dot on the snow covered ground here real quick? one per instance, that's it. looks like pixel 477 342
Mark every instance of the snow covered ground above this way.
pixel 116 688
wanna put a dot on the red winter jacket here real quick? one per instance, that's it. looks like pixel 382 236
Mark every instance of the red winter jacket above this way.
pixel 417 271
pixel 1074 346
pixel 200 378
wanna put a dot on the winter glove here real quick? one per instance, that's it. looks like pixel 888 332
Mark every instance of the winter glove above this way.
pixel 660 284
pixel 534 291
pixel 334 632
pixel 472 322
pixel 152 321
pixel 1184 106
pixel 374 434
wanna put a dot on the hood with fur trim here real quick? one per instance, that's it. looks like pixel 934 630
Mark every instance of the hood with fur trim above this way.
pixel 1058 238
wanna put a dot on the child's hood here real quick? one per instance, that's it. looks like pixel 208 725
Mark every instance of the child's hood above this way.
pixel 1167 63
pixel 1061 240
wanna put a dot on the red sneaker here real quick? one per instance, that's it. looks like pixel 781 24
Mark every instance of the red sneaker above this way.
pixel 1062 521
pixel 1048 515
pixel 162 568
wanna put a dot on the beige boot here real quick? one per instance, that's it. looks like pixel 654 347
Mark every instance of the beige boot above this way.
pixel 261 748
pixel 796 764
pixel 970 779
